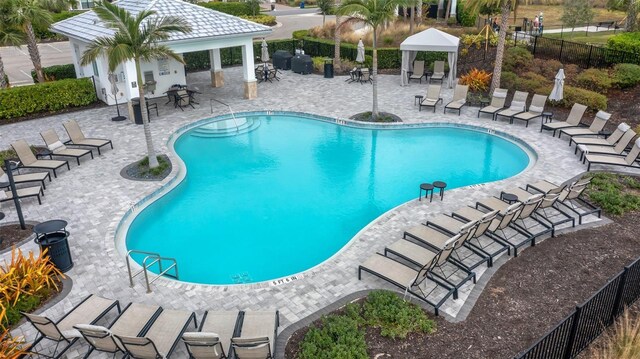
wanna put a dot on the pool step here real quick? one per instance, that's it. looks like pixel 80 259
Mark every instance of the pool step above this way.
pixel 247 126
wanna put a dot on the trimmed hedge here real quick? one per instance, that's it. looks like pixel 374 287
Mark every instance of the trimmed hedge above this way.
pixel 594 80
pixel 232 8
pixel 588 98
pixel 626 41
pixel 262 19
pixel 23 101
pixel 626 75
pixel 56 72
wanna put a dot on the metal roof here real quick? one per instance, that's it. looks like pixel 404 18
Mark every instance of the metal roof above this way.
pixel 205 23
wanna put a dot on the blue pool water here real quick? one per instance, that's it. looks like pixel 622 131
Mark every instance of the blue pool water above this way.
pixel 286 196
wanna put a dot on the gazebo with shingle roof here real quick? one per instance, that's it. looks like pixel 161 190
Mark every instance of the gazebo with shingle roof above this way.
pixel 211 30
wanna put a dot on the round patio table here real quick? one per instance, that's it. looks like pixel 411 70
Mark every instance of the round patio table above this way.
pixel 441 186
pixel 426 187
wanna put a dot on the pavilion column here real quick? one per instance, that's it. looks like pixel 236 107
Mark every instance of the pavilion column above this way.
pixel 454 5
pixel 248 72
pixel 217 76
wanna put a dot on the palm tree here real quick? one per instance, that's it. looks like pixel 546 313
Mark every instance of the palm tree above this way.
pixel 336 39
pixel 325 6
pixel 9 36
pixel 374 13
pixel 505 7
pixel 25 14
pixel 136 38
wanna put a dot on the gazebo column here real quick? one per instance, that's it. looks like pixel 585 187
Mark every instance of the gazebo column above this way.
pixel 248 71
pixel 217 76
pixel 454 5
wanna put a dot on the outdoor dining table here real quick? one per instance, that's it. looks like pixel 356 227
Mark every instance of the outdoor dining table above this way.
pixel 173 93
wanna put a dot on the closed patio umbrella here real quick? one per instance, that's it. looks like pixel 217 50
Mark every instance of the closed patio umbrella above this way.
pixel 558 87
pixel 360 56
pixel 265 51
pixel 113 79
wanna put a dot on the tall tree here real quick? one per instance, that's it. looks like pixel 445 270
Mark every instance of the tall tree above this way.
pixel 576 12
pixel 326 7
pixel 9 36
pixel 137 38
pixel 631 7
pixel 336 38
pixel 375 14
pixel 505 7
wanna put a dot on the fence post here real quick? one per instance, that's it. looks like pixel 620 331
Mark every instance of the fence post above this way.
pixel 535 43
pixel 589 59
pixel 561 46
pixel 573 333
pixel 619 292
pixel 587 30
pixel 93 79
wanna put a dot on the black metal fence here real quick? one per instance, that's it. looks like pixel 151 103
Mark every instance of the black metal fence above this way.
pixel 583 55
pixel 590 319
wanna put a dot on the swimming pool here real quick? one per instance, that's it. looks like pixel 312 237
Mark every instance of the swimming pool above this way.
pixel 288 192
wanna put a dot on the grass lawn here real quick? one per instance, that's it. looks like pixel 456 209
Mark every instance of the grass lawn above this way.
pixel 552 14
pixel 595 38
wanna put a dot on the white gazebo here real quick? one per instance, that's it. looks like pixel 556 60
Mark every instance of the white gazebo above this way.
pixel 429 40
pixel 210 30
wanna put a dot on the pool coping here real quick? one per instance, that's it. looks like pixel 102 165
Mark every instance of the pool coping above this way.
pixel 173 180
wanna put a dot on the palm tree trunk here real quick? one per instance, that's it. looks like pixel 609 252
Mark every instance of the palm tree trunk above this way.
pixel 502 37
pixel 412 21
pixel 34 53
pixel 3 82
pixel 336 41
pixel 151 151
pixel 324 18
pixel 419 11
pixel 374 75
pixel 448 13
pixel 632 14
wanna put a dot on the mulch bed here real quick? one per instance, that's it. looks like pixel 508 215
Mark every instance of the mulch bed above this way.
pixel 382 117
pixel 135 172
pixel 12 235
pixel 525 298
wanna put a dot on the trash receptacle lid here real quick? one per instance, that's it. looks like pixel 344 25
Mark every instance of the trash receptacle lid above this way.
pixel 49 226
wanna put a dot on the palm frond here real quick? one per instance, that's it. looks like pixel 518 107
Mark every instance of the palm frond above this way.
pixel 95 49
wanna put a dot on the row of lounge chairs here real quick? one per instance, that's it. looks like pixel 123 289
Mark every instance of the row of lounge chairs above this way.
pixel 27 160
pixel 149 332
pixel 433 260
pixel 518 109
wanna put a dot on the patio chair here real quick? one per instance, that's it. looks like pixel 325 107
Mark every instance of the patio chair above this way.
pixel 504 219
pixel 630 160
pixel 134 320
pixel 535 110
pixel 452 225
pixel 481 239
pixel 573 120
pixel 260 73
pixel 497 103
pixel 438 71
pixel 183 99
pixel 162 337
pixel 77 138
pixel 34 191
pixel 354 75
pixel 570 197
pixel 29 160
pixel 272 73
pixel 618 149
pixel 89 310
pixel 518 104
pixel 543 213
pixel 213 340
pixel 594 130
pixel 57 148
pixel 258 333
pixel 418 71
pixel 26 177
pixel 410 279
pixel 459 99
pixel 365 76
pixel 432 97
pixel 610 141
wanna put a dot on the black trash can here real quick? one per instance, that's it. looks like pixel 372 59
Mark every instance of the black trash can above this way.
pixel 282 60
pixel 328 68
pixel 53 236
pixel 137 111
pixel 432 12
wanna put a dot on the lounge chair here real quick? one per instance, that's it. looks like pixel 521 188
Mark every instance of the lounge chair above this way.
pixel 482 240
pixel 594 130
pixel 26 177
pixel 570 197
pixel 630 160
pixel 619 148
pixel 432 97
pixel 573 120
pixel 497 103
pixel 496 230
pixel 134 320
pixel 535 110
pixel 90 310
pixel 518 105
pixel 28 160
pixel 452 225
pixel 459 99
pixel 408 278
pixel 258 333
pixel 418 71
pixel 34 191
pixel 77 137
pixel 57 148
pixel 162 337
pixel 544 211
pixel 438 71
pixel 213 340
pixel 609 141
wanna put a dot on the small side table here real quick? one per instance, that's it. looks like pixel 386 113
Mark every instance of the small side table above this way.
pixel 417 100
pixel 508 197
pixel 441 186
pixel 484 102
pixel 42 152
pixel 426 187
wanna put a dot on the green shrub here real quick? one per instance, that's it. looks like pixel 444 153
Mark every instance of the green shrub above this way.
pixel 338 337
pixel 508 80
pixel 56 72
pixel 7 155
pixel 466 15
pixel 615 194
pixel 22 101
pixel 300 34
pixel 588 98
pixel 395 317
pixel 626 75
pixel 547 67
pixel 261 19
pixel 594 80
pixel 516 59
pixel 626 41
pixel 232 8
pixel 163 165
pixel 43 33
